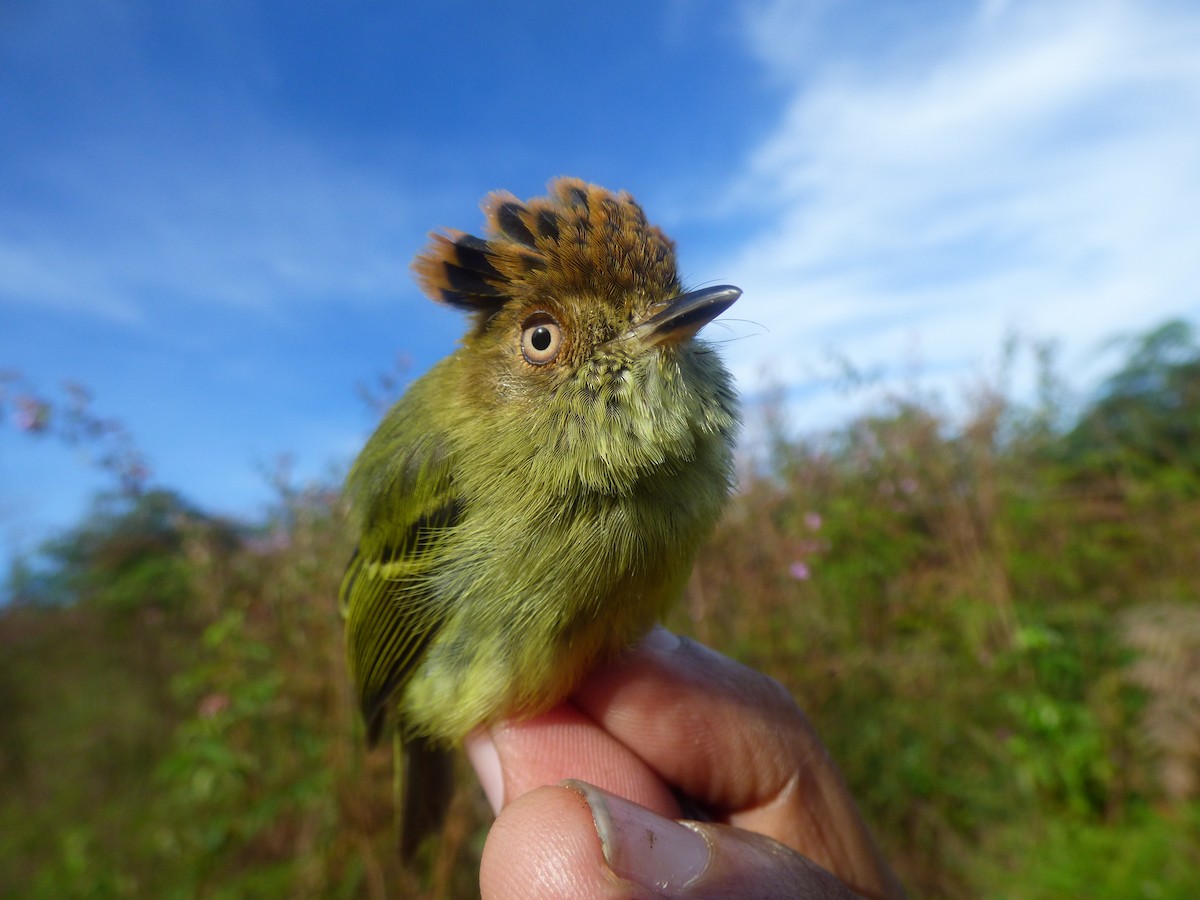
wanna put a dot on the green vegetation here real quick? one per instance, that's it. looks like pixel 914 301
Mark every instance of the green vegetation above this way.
pixel 992 616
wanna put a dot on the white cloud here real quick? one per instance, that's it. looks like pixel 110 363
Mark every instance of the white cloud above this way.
pixel 247 219
pixel 31 274
pixel 1037 167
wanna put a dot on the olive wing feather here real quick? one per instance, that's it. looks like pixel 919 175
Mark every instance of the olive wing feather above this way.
pixel 402 491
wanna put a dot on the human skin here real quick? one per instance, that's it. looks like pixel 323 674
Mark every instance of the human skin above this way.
pixel 673 718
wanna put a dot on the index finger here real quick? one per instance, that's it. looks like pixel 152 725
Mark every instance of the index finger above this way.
pixel 735 741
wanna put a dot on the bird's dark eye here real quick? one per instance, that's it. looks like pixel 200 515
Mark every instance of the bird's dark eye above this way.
pixel 541 339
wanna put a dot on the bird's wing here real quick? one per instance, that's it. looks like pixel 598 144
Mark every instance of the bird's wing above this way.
pixel 403 492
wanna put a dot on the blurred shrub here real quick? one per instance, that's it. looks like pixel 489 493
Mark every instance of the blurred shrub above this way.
pixel 1167 640
pixel 964 600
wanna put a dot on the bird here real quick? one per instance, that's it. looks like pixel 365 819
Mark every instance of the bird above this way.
pixel 533 504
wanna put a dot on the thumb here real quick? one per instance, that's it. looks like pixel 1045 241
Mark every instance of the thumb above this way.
pixel 746 864
pixel 649 855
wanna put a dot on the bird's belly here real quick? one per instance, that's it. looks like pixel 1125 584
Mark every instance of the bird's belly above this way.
pixel 478 669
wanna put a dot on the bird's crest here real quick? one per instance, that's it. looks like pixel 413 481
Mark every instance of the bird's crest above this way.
pixel 579 240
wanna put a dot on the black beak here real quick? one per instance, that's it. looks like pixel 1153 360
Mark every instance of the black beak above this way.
pixel 686 315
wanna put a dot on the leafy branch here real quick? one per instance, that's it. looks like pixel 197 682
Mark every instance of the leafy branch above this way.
pixel 71 419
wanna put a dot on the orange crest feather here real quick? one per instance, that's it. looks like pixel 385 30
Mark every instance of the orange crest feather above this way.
pixel 579 240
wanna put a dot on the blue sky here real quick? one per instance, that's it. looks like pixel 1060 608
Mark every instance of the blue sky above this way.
pixel 209 206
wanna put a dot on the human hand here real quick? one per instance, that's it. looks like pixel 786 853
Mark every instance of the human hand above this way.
pixel 674 718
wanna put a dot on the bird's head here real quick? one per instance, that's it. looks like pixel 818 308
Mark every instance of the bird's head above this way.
pixel 581 325
pixel 563 280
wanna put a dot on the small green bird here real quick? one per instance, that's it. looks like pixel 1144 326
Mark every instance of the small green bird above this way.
pixel 533 504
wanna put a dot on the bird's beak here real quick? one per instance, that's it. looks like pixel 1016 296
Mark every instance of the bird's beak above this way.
pixel 683 316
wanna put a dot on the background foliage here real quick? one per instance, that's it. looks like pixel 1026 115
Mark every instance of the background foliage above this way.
pixel 992 615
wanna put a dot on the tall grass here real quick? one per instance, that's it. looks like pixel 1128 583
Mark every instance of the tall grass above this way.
pixel 995 628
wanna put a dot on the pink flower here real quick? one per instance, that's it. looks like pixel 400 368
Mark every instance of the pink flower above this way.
pixel 32 415
pixel 799 570
pixel 813 521
pixel 212 705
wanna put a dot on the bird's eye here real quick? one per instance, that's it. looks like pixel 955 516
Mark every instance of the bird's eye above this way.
pixel 541 339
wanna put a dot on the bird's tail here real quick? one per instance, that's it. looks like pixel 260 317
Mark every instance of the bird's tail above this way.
pixel 424 777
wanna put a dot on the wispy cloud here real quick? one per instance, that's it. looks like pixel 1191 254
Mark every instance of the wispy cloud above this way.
pixel 154 166
pixel 255 220
pixel 1033 166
